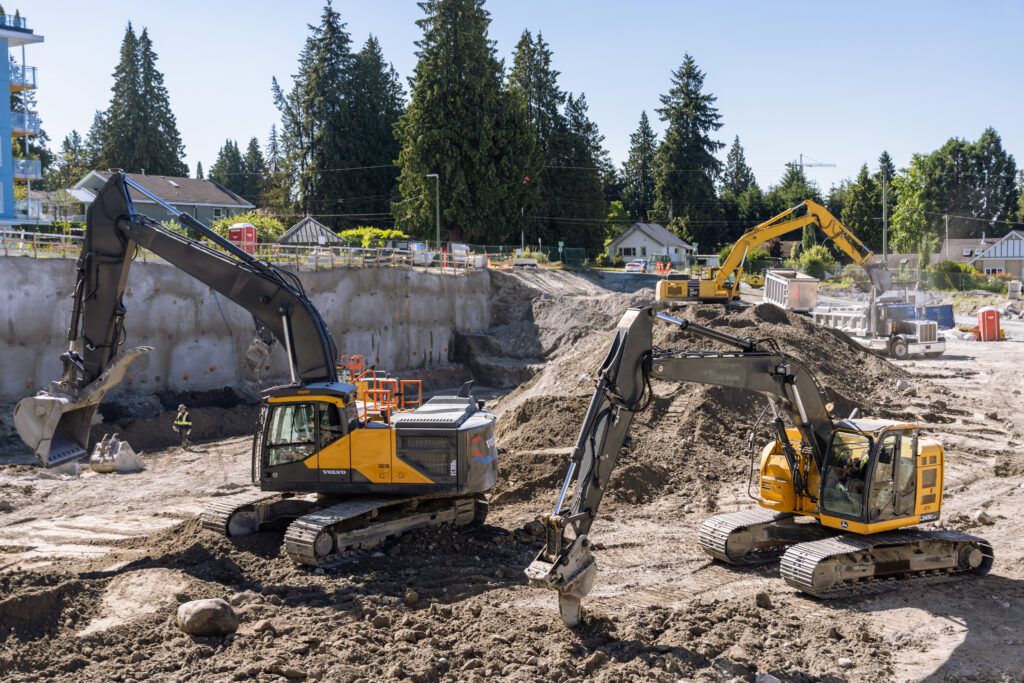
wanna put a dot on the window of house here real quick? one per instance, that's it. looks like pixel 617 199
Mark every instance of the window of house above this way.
pixel 627 251
pixel 978 252
pixel 993 271
pixel 218 213
pixel 643 251
pixel 967 252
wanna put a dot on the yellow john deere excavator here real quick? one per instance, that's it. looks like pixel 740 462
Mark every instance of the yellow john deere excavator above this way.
pixel 835 495
pixel 343 481
pixel 722 284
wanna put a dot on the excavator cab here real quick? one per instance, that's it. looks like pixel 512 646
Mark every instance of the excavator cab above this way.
pixel 872 475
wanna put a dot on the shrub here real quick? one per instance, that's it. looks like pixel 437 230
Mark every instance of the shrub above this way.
pixel 950 274
pixel 367 237
pixel 268 228
pixel 539 255
pixel 816 260
pixel 602 260
pixel 617 261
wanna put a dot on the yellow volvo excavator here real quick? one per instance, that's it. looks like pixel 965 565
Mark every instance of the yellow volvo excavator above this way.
pixel 722 283
pixel 343 481
pixel 836 495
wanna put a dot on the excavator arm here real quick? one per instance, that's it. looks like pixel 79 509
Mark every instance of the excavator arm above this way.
pixel 783 223
pixel 566 563
pixel 55 423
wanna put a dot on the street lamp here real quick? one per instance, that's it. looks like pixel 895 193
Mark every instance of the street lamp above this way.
pixel 437 206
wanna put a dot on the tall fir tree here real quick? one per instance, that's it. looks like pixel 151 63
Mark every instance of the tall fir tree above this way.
pixel 199 171
pixel 469 130
pixel 686 166
pixel 277 193
pixel 737 176
pixel 638 171
pixel 71 163
pixel 138 132
pixel 229 168
pixel 862 213
pixel 581 206
pixel 255 172
pixel 535 82
pixel 375 99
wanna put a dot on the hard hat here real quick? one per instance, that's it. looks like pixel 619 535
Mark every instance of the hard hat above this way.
pixel 181 406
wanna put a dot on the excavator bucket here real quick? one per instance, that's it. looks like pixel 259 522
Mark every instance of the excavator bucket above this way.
pixel 880 278
pixel 55 424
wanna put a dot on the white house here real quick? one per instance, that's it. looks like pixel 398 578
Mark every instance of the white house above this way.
pixel 643 240
pixel 1004 256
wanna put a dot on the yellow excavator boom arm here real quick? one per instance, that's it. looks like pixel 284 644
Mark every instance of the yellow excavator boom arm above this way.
pixel 777 226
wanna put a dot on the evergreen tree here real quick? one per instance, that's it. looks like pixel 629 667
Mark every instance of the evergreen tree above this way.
pixel 138 131
pixel 582 205
pixel 536 84
pixel 863 211
pixel 376 102
pixel 276 194
pixel 638 171
pixel 229 169
pixel 467 129
pixel 685 164
pixel 94 140
pixel 737 176
pixel 255 173
pixel 791 190
pixel 199 171
pixel 315 125
pixel 71 163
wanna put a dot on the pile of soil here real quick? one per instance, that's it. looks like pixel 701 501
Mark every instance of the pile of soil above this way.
pixel 692 438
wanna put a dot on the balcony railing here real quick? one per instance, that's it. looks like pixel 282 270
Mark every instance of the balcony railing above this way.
pixel 23 77
pixel 31 209
pixel 24 124
pixel 11 21
pixel 28 169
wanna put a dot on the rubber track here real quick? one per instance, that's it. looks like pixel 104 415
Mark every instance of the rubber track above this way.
pixel 715 532
pixel 217 514
pixel 301 534
pixel 800 561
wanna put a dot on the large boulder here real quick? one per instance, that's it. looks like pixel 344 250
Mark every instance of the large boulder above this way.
pixel 210 617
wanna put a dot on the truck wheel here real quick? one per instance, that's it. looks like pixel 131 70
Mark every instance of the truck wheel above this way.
pixel 898 348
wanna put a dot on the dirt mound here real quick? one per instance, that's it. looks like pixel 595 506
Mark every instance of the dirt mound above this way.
pixel 693 437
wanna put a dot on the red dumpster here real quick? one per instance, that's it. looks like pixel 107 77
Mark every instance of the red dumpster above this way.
pixel 988 324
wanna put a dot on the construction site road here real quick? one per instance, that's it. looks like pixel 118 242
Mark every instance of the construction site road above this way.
pixel 93 567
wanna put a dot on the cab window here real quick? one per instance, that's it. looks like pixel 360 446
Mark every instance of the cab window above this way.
pixel 880 503
pixel 331 426
pixel 845 475
pixel 292 433
pixel 906 474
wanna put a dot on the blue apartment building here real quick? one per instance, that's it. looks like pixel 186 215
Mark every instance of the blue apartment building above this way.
pixel 24 125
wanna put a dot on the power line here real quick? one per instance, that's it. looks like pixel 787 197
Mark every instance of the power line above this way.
pixel 975 218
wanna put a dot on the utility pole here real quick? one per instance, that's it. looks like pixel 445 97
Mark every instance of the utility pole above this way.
pixel 947 236
pixel 885 221
pixel 437 206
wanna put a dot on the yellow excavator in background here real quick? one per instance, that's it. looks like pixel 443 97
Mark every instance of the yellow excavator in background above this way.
pixel 721 284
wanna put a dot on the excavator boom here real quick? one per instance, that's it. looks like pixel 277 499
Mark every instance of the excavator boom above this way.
pixel 718 288
pixel 55 423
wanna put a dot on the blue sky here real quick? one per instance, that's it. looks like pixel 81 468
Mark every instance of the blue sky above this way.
pixel 838 82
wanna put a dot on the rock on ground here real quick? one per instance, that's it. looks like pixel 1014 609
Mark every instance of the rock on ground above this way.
pixel 210 617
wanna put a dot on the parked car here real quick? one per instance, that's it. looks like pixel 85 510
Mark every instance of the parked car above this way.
pixel 636 266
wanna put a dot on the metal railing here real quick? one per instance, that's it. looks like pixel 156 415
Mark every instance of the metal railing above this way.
pixel 27 169
pixel 291 257
pixel 22 76
pixel 24 123
pixel 13 21
pixel 31 209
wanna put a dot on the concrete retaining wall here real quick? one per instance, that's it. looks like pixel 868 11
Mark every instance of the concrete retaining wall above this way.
pixel 398 318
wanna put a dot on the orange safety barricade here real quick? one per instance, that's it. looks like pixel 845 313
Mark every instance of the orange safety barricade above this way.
pixel 406 401
pixel 352 366
pixel 381 403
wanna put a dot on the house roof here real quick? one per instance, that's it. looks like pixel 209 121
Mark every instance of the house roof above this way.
pixel 309 231
pixel 658 233
pixel 963 249
pixel 172 189
pixel 895 261
pixel 1009 246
